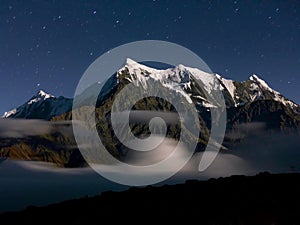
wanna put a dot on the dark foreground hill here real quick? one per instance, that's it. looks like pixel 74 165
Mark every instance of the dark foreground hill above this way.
pixel 262 199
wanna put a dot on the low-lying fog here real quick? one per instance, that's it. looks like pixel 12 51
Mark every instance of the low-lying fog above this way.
pixel 37 183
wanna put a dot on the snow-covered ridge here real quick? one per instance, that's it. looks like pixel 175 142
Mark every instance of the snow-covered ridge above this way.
pixel 45 95
pixel 180 79
pixel 259 83
pixel 38 97
pixel 228 84
pixel 263 84
pixel 9 113
pixel 177 79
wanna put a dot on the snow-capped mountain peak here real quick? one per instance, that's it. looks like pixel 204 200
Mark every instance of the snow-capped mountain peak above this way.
pixel 181 79
pixel 178 78
pixel 178 75
pixel 133 66
pixel 44 94
pixel 262 83
pixel 259 88
pixel 40 96
pixel 41 106
pixel 194 84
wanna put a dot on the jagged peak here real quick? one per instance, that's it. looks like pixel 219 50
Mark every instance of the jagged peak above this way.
pixel 45 95
pixel 256 78
pixel 40 95
pixel 130 61
pixel 277 96
pixel 133 65
pixel 262 83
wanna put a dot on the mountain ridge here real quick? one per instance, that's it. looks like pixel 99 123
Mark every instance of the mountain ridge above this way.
pixel 42 105
pixel 251 101
pixel 180 79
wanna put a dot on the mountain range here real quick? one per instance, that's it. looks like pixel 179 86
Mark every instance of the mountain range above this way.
pixel 250 101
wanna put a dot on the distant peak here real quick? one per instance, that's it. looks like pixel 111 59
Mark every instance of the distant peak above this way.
pixel 43 94
pixel 40 95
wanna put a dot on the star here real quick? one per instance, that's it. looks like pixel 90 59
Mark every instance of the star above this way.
pixel 38 84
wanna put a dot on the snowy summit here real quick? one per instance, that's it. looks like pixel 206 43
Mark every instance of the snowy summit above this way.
pixel 181 79
pixel 41 106
pixel 40 96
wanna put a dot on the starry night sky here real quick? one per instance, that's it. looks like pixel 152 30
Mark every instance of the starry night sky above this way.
pixel 49 44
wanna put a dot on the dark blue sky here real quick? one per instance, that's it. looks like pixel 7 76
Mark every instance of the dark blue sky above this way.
pixel 49 44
